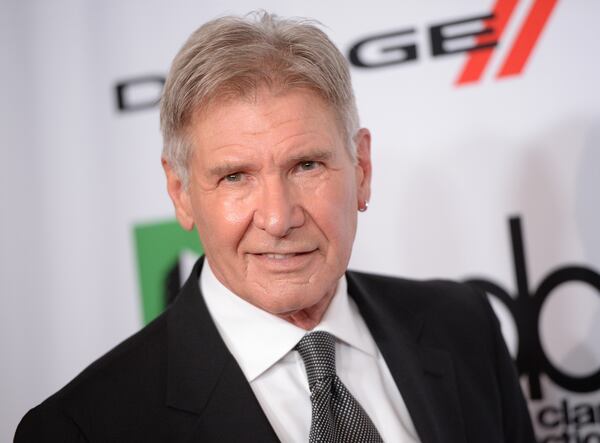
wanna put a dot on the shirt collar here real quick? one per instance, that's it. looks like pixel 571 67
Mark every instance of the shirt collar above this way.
pixel 258 339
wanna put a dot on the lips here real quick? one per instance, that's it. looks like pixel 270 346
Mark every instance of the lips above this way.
pixel 284 255
pixel 279 256
pixel 285 261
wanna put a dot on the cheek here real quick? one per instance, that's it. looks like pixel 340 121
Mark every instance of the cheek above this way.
pixel 235 211
pixel 221 221
pixel 334 208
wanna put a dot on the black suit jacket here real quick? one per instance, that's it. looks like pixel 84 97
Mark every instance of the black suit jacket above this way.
pixel 175 380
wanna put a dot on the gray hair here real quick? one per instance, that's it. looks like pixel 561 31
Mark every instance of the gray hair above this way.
pixel 231 57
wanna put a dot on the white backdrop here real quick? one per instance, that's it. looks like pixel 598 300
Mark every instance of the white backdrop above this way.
pixel 452 164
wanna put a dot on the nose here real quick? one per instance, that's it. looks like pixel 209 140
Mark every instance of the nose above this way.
pixel 278 210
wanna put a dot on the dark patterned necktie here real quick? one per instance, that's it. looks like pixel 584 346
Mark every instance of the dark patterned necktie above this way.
pixel 336 415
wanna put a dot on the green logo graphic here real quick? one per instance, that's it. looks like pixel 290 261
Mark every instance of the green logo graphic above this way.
pixel 159 247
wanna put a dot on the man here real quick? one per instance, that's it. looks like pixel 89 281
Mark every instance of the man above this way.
pixel 270 338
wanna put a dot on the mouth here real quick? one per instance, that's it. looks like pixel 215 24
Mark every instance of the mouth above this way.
pixel 285 261
pixel 278 256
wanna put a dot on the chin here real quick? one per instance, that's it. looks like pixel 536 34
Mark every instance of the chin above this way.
pixel 283 307
pixel 291 303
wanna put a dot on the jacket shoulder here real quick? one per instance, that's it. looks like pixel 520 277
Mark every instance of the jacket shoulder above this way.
pixel 420 297
pixel 441 313
pixel 119 378
pixel 456 320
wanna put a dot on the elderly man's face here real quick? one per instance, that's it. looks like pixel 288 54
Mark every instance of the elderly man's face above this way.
pixel 274 194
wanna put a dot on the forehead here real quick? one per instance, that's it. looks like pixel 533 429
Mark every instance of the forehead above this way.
pixel 265 117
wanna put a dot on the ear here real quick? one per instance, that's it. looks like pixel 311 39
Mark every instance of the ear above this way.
pixel 179 196
pixel 363 165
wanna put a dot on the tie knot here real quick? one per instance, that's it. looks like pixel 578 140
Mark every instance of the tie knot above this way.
pixel 317 350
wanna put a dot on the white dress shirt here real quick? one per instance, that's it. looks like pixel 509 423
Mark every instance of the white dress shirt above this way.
pixel 263 343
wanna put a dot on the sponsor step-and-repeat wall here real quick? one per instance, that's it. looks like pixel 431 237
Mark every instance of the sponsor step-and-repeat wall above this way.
pixel 485 118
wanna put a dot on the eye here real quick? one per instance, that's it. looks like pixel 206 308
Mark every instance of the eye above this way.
pixel 308 165
pixel 232 178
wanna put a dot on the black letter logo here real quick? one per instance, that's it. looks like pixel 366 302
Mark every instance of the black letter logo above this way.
pixel 439 35
pixel 139 93
pixel 399 53
pixel 525 309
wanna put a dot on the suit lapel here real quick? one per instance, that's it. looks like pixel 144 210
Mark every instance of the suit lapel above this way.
pixel 203 378
pixel 423 375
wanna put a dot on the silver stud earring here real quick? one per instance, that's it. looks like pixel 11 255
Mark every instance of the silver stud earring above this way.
pixel 364 207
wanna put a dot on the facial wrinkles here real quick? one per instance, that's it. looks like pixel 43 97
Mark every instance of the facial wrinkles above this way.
pixel 275 121
pixel 238 208
pixel 319 193
pixel 239 211
pixel 258 160
pixel 262 138
pixel 306 281
pixel 266 141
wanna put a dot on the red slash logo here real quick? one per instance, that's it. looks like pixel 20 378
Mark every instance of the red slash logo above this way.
pixel 521 48
pixel 399 47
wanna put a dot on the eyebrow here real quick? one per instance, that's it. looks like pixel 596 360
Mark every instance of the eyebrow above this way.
pixel 314 155
pixel 229 167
